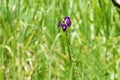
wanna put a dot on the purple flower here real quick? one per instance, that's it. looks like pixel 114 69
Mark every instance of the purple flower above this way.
pixel 67 21
pixel 59 23
pixel 64 27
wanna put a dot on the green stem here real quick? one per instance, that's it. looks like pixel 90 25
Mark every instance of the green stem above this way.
pixel 60 8
pixel 69 46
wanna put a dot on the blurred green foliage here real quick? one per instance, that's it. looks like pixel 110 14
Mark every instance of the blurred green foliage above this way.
pixel 33 47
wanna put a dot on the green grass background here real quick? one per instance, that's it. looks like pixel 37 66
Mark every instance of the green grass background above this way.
pixel 33 47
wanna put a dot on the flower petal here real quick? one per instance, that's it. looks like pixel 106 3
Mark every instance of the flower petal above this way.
pixel 67 21
pixel 59 23
pixel 64 27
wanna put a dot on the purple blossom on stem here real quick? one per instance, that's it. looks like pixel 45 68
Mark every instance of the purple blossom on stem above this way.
pixel 66 23
pixel 64 27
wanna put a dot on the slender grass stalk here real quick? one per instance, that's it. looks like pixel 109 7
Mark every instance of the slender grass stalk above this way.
pixel 67 34
pixel 7 9
pixel 70 57
pixel 60 8
pixel 6 58
pixel 19 10
pixel 68 44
